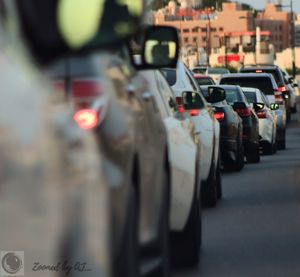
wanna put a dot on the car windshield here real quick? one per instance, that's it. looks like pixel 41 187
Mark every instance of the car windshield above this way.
pixel 204 81
pixel 218 71
pixel 251 96
pixel 170 75
pixel 262 83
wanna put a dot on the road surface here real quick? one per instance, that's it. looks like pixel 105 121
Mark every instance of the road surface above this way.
pixel 255 230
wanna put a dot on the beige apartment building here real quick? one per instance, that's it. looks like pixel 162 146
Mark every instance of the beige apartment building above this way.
pixel 209 29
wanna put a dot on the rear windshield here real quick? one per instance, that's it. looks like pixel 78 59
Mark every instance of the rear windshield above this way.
pixel 218 71
pixel 199 70
pixel 251 96
pixel 274 72
pixel 262 83
pixel 170 75
pixel 204 81
pixel 233 95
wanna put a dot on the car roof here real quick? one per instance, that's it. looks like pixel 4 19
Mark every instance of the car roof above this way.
pixel 201 76
pixel 246 75
pixel 250 89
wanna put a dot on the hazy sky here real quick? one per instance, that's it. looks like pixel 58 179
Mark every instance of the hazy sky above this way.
pixel 259 4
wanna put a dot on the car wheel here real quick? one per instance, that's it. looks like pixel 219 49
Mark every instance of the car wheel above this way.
pixel 268 148
pixel 127 262
pixel 239 163
pixel 209 189
pixel 186 245
pixel 254 157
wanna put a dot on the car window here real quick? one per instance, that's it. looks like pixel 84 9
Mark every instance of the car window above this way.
pixel 199 70
pixel 265 99
pixel 218 71
pixel 274 72
pixel 262 83
pixel 251 96
pixel 233 95
pixel 166 92
pixel 170 75
pixel 204 81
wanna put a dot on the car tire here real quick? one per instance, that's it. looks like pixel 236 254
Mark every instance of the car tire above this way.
pixel 209 189
pixel 281 144
pixel 268 148
pixel 274 145
pixel 239 163
pixel 254 156
pixel 186 245
pixel 127 263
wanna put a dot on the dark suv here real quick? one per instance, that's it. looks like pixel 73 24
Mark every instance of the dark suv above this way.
pixel 279 79
pixel 266 83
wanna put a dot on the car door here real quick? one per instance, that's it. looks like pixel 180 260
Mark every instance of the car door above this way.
pixel 183 146
pixel 204 127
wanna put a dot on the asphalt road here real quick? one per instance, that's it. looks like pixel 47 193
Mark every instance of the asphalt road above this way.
pixel 255 229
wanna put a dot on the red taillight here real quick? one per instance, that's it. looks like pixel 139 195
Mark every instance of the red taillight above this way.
pixel 258 71
pixel 180 105
pixel 194 112
pixel 86 119
pixel 282 89
pixel 86 88
pixel 278 97
pixel 219 115
pixel 261 114
pixel 243 112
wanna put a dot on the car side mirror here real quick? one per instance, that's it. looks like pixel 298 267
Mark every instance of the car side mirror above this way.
pixel 160 48
pixel 291 80
pixel 258 106
pixel 274 106
pixel 191 100
pixel 216 94
pixel 295 85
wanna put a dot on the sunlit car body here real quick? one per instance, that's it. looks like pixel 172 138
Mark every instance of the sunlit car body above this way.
pixel 184 152
pixel 266 83
pixel 216 73
pixel 206 127
pixel 112 100
pixel 231 135
pixel 293 88
pixel 267 120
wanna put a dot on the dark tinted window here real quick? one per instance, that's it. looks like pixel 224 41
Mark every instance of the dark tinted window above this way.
pixel 274 72
pixel 170 75
pixel 199 70
pixel 204 81
pixel 251 96
pixel 262 83
pixel 233 95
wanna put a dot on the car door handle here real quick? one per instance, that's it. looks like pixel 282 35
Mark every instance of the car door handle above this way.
pixel 147 95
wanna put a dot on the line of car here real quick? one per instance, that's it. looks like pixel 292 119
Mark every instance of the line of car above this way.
pixel 164 141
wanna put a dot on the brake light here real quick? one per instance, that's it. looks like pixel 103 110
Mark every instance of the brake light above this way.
pixel 194 112
pixel 261 114
pixel 258 71
pixel 86 88
pixel 243 112
pixel 180 105
pixel 219 115
pixel 86 119
pixel 282 89
pixel 278 97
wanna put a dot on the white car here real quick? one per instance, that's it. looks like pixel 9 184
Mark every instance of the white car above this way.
pixel 267 119
pixel 216 73
pixel 183 153
pixel 207 129
pixel 293 89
